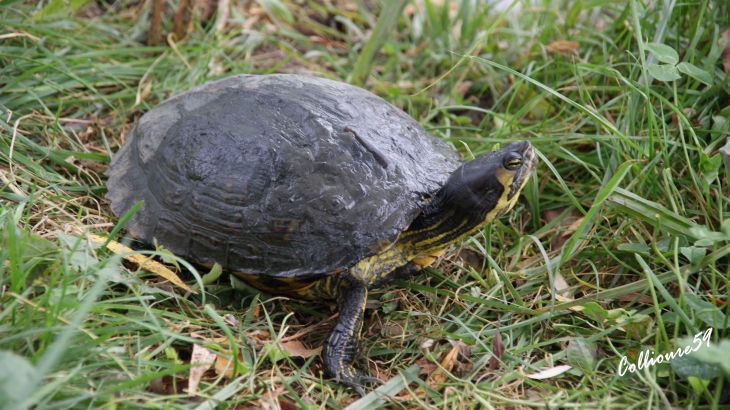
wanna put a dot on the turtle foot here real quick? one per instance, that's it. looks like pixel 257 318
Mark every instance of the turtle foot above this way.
pixel 355 379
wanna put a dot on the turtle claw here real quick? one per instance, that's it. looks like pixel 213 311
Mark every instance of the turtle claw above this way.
pixel 359 389
pixel 372 380
pixel 355 379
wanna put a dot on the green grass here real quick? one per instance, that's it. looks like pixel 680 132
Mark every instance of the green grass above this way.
pixel 629 207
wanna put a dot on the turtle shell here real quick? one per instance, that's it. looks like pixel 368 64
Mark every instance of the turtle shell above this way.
pixel 276 175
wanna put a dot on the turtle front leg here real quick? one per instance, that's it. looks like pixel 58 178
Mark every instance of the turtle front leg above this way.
pixel 340 346
pixel 404 272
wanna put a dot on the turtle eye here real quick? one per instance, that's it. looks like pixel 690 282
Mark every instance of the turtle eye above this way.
pixel 512 161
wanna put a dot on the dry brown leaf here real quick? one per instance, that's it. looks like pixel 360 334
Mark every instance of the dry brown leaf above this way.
pixel 717 302
pixel 498 350
pixel 725 57
pixel 319 40
pixel 380 375
pixel 260 335
pixel 550 215
pixel 285 404
pixel 296 348
pixel 464 350
pixel 564 47
pixel 574 225
pixel 459 352
pixel 225 366
pixel 426 367
pixel 204 358
pixel 688 112
pixel 566 227
pixel 447 364
pixel 168 385
pixel 143 262
pixel 471 259
pixel 269 397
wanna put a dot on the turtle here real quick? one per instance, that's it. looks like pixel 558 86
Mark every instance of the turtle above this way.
pixel 306 187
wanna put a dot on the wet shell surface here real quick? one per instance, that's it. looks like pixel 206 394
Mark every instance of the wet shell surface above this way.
pixel 277 175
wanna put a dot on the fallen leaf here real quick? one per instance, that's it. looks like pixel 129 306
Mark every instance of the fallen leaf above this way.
pixel 426 367
pixel 459 352
pixel 688 112
pixel 471 259
pixel 260 337
pixel 560 284
pixel 270 397
pixel 549 372
pixel 224 366
pixel 550 215
pixel 564 47
pixel 566 227
pixel 203 358
pixel 448 362
pixel 380 375
pixel 498 350
pixel 144 262
pixel 168 385
pixel 464 350
pixel 296 348
pixel 717 302
pixel 285 404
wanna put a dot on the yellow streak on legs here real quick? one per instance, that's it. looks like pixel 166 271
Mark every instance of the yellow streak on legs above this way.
pixel 423 261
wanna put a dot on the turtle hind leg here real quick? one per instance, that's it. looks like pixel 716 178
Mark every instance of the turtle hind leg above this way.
pixel 340 345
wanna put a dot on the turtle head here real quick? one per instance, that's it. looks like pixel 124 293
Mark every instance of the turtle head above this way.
pixel 490 184
pixel 475 194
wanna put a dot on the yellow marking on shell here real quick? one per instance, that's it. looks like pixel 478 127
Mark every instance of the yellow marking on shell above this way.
pixel 293 286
